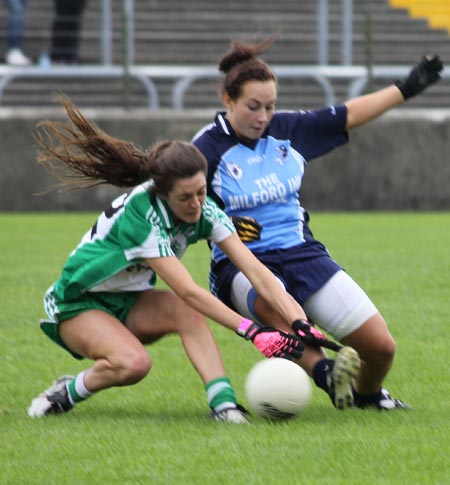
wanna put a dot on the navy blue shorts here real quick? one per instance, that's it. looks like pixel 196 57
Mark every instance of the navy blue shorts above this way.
pixel 303 269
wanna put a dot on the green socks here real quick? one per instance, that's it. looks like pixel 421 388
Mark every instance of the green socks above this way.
pixel 220 394
pixel 77 390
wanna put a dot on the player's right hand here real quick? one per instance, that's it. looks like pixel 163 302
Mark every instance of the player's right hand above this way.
pixel 247 228
pixel 311 336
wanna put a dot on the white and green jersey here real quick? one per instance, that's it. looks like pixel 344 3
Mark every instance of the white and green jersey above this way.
pixel 111 256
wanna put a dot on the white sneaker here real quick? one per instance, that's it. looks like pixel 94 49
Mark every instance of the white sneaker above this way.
pixel 54 400
pixel 383 400
pixel 231 415
pixel 15 57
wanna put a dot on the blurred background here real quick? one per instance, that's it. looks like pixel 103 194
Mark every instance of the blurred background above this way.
pixel 147 69
pixel 169 33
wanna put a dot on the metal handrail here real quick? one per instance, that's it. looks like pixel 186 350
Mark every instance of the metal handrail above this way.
pixel 185 76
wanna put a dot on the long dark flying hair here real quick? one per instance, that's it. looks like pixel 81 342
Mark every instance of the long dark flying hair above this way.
pixel 80 155
pixel 242 63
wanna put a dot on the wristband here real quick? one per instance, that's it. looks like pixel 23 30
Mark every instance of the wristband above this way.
pixel 243 327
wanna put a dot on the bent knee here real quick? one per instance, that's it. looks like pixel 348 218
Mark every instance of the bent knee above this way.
pixel 373 342
pixel 387 348
pixel 133 367
pixel 380 352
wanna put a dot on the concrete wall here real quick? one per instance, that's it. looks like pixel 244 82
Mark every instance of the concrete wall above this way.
pixel 398 162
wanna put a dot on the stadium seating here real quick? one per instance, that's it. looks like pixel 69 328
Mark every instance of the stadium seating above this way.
pixel 177 32
pixel 437 12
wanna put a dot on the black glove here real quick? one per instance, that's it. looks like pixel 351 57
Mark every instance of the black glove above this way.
pixel 312 336
pixel 247 228
pixel 422 75
pixel 270 341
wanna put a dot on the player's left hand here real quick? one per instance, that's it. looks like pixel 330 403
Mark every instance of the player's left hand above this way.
pixel 311 336
pixel 422 75
pixel 270 341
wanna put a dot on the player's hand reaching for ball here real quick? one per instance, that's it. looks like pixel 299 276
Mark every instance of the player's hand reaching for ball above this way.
pixel 313 337
pixel 422 75
pixel 270 341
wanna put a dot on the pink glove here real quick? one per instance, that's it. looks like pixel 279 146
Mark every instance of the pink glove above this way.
pixel 270 341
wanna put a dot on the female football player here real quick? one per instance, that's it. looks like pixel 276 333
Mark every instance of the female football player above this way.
pixel 104 306
pixel 256 162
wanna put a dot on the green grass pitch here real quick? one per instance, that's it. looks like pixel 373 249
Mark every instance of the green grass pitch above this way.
pixel 157 431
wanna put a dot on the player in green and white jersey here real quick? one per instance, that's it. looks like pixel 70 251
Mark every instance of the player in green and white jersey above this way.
pixel 104 305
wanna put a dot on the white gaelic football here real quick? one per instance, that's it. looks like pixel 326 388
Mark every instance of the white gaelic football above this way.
pixel 277 388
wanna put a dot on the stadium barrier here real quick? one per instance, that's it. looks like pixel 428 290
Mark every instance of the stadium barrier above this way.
pixel 398 162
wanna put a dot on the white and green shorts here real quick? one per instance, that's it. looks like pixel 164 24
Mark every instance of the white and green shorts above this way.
pixel 59 310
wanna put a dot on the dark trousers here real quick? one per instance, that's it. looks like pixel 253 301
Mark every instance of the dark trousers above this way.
pixel 66 30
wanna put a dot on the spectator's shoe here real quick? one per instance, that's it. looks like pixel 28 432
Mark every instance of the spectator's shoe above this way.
pixel 340 377
pixel 55 400
pixel 235 415
pixel 381 401
pixel 15 57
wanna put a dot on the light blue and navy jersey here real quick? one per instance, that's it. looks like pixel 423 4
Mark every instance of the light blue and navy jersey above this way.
pixel 262 179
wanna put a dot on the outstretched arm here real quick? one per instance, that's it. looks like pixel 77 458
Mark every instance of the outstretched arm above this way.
pixel 268 287
pixel 269 341
pixel 177 277
pixel 365 108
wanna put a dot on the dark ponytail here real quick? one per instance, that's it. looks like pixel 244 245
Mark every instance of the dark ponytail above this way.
pixel 85 156
pixel 242 63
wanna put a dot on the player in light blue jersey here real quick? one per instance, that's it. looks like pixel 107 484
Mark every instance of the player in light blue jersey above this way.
pixel 256 162
pixel 104 305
